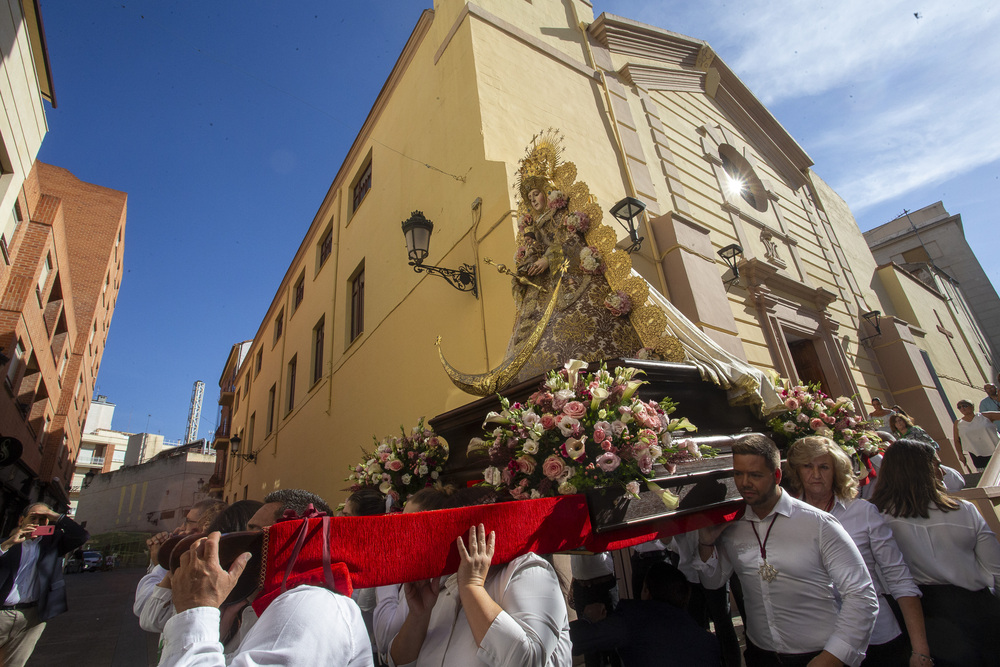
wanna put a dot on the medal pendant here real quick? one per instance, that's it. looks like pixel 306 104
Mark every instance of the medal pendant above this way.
pixel 767 572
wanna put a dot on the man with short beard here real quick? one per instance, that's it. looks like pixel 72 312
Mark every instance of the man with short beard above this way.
pixel 790 557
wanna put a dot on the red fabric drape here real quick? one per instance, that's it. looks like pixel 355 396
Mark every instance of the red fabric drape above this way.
pixel 395 548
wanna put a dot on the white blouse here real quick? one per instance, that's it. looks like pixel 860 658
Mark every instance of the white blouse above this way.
pixel 949 547
pixel 532 629
pixel 873 538
pixel 978 436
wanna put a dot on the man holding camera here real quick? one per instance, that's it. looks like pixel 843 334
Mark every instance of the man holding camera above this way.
pixel 31 579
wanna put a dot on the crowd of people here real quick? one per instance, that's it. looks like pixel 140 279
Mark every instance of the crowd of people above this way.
pixel 902 573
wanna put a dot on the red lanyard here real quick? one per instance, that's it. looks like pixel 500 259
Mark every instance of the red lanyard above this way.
pixel 763 545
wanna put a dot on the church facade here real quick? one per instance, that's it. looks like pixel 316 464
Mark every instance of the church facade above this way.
pixel 346 349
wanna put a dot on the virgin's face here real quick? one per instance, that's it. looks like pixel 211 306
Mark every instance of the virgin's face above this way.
pixel 537 199
pixel 817 476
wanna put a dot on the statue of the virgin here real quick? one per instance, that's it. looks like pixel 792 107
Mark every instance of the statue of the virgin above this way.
pixel 577 297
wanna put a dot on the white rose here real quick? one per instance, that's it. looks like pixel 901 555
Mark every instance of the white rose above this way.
pixel 567 489
pixel 406 479
pixel 423 470
pixel 434 474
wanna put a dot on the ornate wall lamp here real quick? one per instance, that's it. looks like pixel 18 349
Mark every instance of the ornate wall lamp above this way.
pixel 234 450
pixel 626 211
pixel 731 255
pixel 872 317
pixel 417 230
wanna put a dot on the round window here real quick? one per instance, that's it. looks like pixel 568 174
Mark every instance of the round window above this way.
pixel 741 178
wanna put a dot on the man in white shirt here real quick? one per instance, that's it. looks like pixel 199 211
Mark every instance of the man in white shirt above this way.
pixel 305 626
pixel 31 579
pixel 793 561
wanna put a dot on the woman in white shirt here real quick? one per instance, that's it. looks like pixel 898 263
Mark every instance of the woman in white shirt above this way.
pixel 952 554
pixel 976 434
pixel 820 473
pixel 503 616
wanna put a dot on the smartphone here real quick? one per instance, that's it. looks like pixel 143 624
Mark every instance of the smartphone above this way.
pixel 43 530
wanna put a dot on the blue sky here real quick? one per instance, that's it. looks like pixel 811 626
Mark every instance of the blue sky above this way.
pixel 225 122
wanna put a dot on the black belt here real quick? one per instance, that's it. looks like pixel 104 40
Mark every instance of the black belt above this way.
pixel 19 605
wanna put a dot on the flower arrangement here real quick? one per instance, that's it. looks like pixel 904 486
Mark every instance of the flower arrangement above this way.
pixel 591 261
pixel 401 465
pixel 557 200
pixel 809 411
pixel 580 431
pixel 577 222
pixel 618 303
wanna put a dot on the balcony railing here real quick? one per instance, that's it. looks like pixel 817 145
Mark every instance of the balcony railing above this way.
pixel 90 461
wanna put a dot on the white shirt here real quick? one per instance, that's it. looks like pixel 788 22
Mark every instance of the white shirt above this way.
pixel 25 587
pixel 652 545
pixel 685 545
pixel 145 588
pixel 950 548
pixel 532 629
pixel 978 436
pixel 798 612
pixel 306 626
pixel 873 537
pixel 591 566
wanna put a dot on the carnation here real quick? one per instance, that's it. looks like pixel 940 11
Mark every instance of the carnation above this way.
pixel 618 303
pixel 591 261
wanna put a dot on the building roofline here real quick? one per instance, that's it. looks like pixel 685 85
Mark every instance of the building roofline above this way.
pixel 39 49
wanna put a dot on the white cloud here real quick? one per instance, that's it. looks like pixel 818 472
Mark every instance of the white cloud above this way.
pixel 885 102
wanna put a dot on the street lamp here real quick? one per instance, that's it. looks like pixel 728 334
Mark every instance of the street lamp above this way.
pixel 731 255
pixel 234 450
pixel 626 211
pixel 872 317
pixel 417 231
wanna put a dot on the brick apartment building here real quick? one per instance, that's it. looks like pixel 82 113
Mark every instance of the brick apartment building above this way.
pixel 59 278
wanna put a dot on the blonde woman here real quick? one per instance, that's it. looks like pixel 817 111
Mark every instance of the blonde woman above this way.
pixel 820 473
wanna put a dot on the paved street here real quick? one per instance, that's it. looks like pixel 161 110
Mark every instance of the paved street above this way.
pixel 99 630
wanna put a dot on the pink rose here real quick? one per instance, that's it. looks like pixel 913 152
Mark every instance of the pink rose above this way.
pixel 646 416
pixel 553 467
pixel 548 422
pixel 815 423
pixel 526 464
pixel 792 404
pixel 575 409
